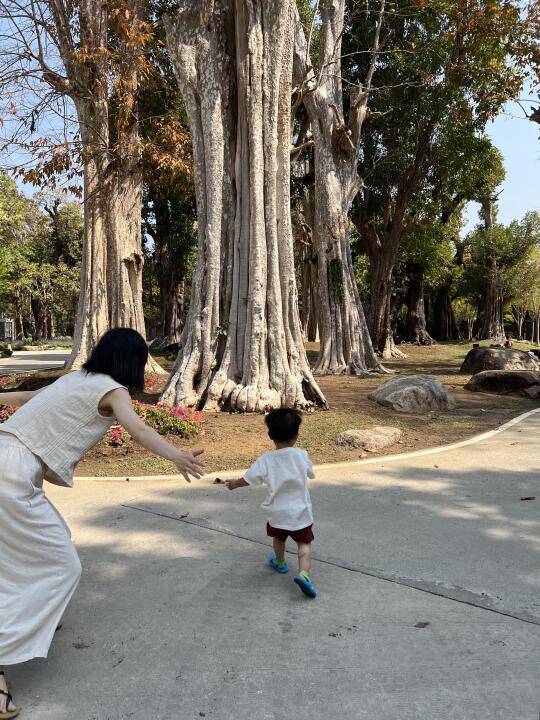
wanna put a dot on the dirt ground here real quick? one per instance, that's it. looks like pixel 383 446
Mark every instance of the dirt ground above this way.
pixel 233 441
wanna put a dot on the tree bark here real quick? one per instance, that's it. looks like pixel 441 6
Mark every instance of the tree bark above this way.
pixel 345 343
pixel 303 230
pixel 416 316
pixel 241 348
pixel 41 314
pixel 443 326
pixel 111 275
pixel 492 316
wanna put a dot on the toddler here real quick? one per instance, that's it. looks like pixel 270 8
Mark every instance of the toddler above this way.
pixel 285 471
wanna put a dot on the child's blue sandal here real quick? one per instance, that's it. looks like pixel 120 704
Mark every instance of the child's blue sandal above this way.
pixel 272 561
pixel 305 585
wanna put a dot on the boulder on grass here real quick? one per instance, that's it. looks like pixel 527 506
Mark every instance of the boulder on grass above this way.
pixel 497 358
pixel 414 394
pixel 503 382
pixel 371 440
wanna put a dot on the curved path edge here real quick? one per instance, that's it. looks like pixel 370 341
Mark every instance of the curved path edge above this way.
pixel 352 463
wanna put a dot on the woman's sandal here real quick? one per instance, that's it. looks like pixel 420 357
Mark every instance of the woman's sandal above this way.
pixel 8 714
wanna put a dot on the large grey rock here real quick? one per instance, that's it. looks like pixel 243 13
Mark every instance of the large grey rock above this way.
pixel 371 440
pixel 503 382
pixel 497 358
pixel 414 394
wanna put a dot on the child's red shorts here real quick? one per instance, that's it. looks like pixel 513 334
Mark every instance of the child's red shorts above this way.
pixel 305 535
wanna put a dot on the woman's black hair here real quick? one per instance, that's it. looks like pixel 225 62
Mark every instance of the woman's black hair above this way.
pixel 122 354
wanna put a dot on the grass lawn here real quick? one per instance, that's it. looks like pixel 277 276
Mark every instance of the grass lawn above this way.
pixel 233 441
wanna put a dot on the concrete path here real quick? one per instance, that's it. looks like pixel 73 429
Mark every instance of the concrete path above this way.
pixel 33 360
pixel 428 572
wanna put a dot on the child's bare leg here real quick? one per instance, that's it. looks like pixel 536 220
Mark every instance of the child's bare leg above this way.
pixel 304 557
pixel 279 549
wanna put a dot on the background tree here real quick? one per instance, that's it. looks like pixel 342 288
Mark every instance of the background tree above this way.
pixel 443 62
pixel 40 251
pixel 169 210
pixel 345 345
pixel 507 246
pixel 90 55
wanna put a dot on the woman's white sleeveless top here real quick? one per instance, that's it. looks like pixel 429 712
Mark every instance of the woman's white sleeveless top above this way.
pixel 63 422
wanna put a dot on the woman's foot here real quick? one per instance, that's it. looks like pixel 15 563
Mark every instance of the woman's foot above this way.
pixel 7 706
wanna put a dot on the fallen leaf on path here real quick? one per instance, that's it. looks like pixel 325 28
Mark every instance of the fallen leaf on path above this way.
pixel 421 625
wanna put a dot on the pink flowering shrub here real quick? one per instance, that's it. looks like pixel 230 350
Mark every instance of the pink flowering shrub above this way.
pixel 167 420
pixel 5 413
pixel 118 437
pixel 7 381
pixel 150 381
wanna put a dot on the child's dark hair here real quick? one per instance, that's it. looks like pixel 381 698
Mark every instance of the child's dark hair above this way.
pixel 283 424
pixel 122 354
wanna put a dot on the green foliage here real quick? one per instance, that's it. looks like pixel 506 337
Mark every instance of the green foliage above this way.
pixel 40 256
pixel 447 67
pixel 513 248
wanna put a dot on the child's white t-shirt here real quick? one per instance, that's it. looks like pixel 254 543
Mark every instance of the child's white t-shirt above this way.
pixel 285 471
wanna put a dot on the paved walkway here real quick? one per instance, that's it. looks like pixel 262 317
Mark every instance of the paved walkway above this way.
pixel 429 605
pixel 33 360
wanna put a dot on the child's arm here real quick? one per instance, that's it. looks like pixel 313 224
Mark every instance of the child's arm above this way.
pixel 234 484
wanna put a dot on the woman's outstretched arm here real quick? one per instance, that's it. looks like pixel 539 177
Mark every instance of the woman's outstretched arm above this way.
pixel 119 402
pixel 17 399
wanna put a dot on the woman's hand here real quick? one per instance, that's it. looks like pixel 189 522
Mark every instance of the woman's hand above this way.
pixel 119 403
pixel 187 464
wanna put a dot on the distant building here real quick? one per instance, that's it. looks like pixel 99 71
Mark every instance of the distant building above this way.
pixel 7 330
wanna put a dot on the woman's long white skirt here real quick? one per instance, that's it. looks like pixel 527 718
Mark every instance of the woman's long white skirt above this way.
pixel 39 566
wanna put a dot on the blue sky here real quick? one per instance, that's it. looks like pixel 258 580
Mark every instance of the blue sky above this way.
pixel 517 139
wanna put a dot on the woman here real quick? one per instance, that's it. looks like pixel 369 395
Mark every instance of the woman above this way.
pixel 55 427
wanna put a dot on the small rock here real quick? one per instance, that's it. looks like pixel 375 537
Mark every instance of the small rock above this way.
pixel 414 394
pixel 369 440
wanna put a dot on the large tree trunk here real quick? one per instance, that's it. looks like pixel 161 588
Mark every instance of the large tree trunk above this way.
pixel 345 344
pixel 41 314
pixel 303 226
pixel 111 275
pixel 416 312
pixel 381 261
pixel 443 326
pixel 492 316
pixel 242 346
